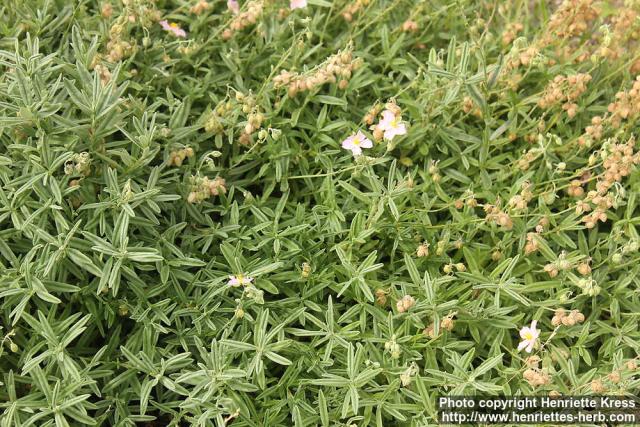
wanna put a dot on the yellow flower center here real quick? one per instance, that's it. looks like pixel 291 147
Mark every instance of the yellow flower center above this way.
pixel 173 25
pixel 394 123
pixel 240 278
pixel 528 336
pixel 356 141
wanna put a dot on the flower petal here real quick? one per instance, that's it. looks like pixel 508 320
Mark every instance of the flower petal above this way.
pixel 388 116
pixel 233 6
pixel 297 4
pixel 390 133
pixel 348 143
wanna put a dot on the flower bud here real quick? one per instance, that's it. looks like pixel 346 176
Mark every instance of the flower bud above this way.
pixel 447 323
pixel 584 268
pixel 423 250
pixel 597 387
pixel 123 310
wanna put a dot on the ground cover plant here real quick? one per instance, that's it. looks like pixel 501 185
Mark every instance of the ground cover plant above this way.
pixel 274 213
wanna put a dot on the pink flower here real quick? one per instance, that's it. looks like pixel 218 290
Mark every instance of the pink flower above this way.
pixel 233 6
pixel 173 28
pixel 391 125
pixel 239 280
pixel 356 143
pixel 297 4
pixel 529 335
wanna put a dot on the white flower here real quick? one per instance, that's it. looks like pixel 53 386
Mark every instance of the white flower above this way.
pixel 239 280
pixel 297 4
pixel 356 143
pixel 173 28
pixel 529 335
pixel 391 125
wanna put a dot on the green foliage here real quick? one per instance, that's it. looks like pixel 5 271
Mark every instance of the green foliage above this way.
pixel 115 258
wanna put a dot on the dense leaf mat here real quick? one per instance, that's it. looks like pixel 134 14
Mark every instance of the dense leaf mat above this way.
pixel 273 213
